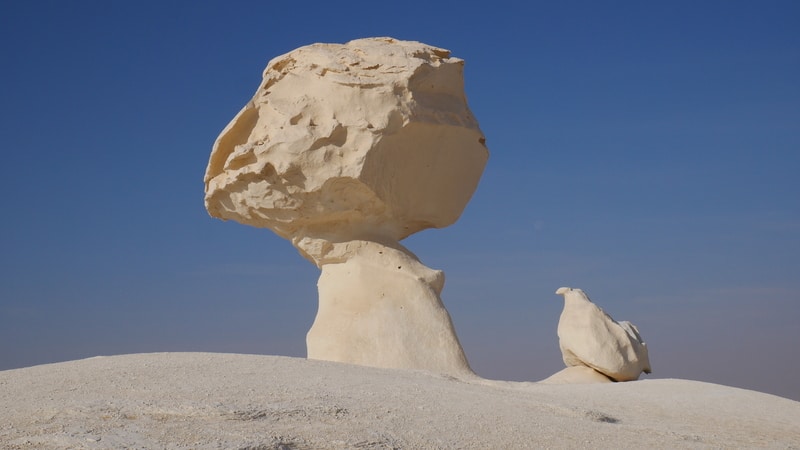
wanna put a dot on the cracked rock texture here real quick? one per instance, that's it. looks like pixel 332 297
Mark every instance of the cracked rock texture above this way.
pixel 348 141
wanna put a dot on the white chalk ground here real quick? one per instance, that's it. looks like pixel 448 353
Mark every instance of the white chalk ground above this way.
pixel 204 400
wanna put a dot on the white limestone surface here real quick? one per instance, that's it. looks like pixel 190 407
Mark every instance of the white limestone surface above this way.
pixel 345 141
pixel 381 307
pixel 589 337
pixel 213 401
pixel 345 149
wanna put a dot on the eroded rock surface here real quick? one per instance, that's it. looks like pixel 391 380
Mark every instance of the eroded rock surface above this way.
pixel 345 149
pixel 373 137
pixel 589 337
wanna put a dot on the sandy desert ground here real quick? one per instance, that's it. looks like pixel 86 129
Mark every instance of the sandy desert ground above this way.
pixel 205 401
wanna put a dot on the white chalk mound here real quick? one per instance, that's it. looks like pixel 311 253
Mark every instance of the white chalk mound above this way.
pixel 345 149
pixel 212 401
pixel 591 338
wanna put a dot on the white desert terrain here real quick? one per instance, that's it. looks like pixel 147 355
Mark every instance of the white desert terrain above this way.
pixel 345 150
pixel 206 400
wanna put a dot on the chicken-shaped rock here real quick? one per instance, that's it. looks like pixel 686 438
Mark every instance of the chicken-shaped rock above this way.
pixel 590 337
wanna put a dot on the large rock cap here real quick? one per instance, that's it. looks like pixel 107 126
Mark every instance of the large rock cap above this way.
pixel 372 137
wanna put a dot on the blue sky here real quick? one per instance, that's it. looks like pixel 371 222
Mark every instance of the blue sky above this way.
pixel 646 152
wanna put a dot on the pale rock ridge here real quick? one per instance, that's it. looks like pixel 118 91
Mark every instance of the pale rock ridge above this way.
pixel 345 150
pixel 590 338
pixel 577 375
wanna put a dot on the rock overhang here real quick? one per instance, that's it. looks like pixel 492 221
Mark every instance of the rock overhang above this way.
pixel 374 134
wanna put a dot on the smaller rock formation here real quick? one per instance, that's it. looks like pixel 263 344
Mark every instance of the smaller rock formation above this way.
pixel 589 337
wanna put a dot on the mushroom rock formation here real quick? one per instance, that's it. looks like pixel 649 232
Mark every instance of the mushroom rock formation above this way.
pixel 590 338
pixel 345 150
